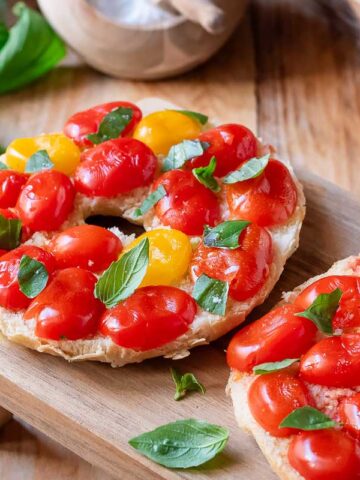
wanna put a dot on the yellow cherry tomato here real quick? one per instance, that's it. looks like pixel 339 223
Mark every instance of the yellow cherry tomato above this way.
pixel 169 256
pixel 161 130
pixel 62 151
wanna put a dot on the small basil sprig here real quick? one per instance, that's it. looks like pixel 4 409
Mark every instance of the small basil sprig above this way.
pixel 307 418
pixel 112 125
pixel 225 235
pixel 322 310
pixel 40 160
pixel 182 152
pixel 150 201
pixel 10 232
pixel 205 175
pixel 211 294
pixel 186 382
pixel 269 367
pixel 200 117
pixel 32 276
pixel 121 279
pixel 251 169
pixel 182 444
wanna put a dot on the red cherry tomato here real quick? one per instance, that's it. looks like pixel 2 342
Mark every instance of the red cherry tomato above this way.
pixel 10 295
pixel 278 335
pixel 66 308
pixel 115 167
pixel 231 144
pixel 86 246
pixel 245 268
pixel 81 124
pixel 2 252
pixel 267 200
pixel 333 362
pixel 149 318
pixel 325 455
pixel 188 205
pixel 46 200
pixel 273 396
pixel 349 412
pixel 11 184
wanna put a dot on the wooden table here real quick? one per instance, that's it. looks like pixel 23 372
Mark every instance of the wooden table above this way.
pixel 291 70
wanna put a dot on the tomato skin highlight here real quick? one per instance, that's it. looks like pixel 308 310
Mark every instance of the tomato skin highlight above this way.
pixel 188 205
pixel 149 318
pixel 10 295
pixel 349 412
pixel 11 184
pixel 66 307
pixel 325 455
pixel 278 335
pixel 115 167
pixel 83 123
pixel 86 246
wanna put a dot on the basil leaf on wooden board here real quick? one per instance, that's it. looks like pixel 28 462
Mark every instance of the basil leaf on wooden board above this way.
pixel 211 294
pixel 205 175
pixel 322 310
pixel 182 152
pixel 250 169
pixel 40 160
pixel 30 51
pixel 112 125
pixel 150 201
pixel 225 235
pixel 186 382
pixel 121 279
pixel 10 231
pixel 200 117
pixel 269 367
pixel 32 276
pixel 182 444
pixel 307 418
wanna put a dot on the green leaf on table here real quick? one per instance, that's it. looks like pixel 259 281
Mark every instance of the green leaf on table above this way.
pixel 205 175
pixel 150 201
pixel 251 169
pixel 184 383
pixel 180 153
pixel 32 276
pixel 112 125
pixel 307 418
pixel 211 294
pixel 322 310
pixel 40 160
pixel 200 117
pixel 269 367
pixel 225 235
pixel 10 232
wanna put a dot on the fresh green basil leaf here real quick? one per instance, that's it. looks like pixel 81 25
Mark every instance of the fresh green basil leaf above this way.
pixel 182 152
pixel 250 169
pixel 4 34
pixel 322 310
pixel 211 294
pixel 3 166
pixel 200 117
pixel 307 418
pixel 10 231
pixel 186 382
pixel 2 149
pixel 40 160
pixel 32 276
pixel 112 125
pixel 31 50
pixel 121 279
pixel 205 175
pixel 225 235
pixel 182 444
pixel 268 367
pixel 150 201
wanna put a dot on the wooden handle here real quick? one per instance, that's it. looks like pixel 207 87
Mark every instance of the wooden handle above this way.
pixel 205 12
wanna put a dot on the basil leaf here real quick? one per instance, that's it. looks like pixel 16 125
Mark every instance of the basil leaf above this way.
pixel 307 418
pixel 40 160
pixel 2 149
pixel 182 444
pixel 4 34
pixel 205 175
pixel 182 152
pixel 250 169
pixel 322 310
pixel 269 367
pixel 31 50
pixel 10 231
pixel 150 201
pixel 32 276
pixel 200 117
pixel 225 235
pixel 211 294
pixel 185 383
pixel 121 279
pixel 112 125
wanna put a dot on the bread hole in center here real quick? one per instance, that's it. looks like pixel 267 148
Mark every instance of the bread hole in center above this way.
pixel 108 221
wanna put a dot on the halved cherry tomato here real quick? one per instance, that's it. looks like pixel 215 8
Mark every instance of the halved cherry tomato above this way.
pixel 86 246
pixel 149 318
pixel 231 144
pixel 267 200
pixel 66 308
pixel 245 268
pixel 276 336
pixel 11 184
pixel 81 124
pixel 325 455
pixel 188 205
pixel 349 412
pixel 46 200
pixel 273 396
pixel 115 167
pixel 10 295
